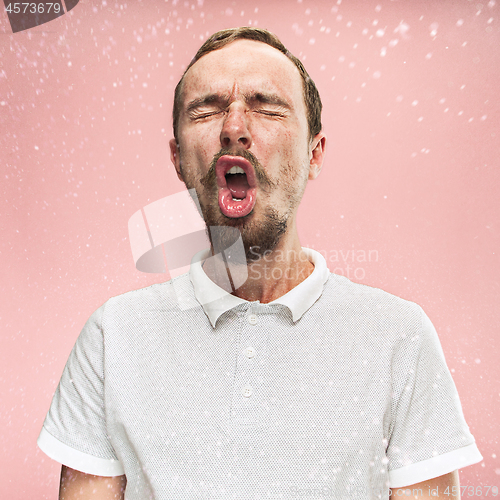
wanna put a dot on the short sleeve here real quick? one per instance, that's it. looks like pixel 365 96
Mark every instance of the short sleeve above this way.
pixel 74 431
pixel 428 435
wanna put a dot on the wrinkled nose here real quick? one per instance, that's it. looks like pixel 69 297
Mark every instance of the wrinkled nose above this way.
pixel 235 132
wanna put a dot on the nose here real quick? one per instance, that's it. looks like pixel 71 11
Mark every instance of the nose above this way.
pixel 235 131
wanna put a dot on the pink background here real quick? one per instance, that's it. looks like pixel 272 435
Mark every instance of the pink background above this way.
pixel 410 91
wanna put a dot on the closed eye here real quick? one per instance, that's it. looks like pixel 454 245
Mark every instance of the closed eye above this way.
pixel 269 113
pixel 205 114
pixel 212 113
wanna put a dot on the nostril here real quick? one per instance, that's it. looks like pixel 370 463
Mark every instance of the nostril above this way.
pixel 235 135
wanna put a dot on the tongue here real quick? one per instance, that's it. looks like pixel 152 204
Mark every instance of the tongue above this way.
pixel 238 185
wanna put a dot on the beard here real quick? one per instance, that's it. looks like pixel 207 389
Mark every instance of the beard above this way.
pixel 259 235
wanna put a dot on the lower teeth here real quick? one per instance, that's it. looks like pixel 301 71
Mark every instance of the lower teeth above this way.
pixel 237 199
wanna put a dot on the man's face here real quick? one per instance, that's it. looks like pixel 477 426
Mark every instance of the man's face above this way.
pixel 243 107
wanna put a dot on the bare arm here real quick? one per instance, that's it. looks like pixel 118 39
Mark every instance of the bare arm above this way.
pixel 76 485
pixel 431 489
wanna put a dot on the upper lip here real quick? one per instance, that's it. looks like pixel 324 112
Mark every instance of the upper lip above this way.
pixel 226 162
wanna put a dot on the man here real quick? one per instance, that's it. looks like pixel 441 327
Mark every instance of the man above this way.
pixel 296 384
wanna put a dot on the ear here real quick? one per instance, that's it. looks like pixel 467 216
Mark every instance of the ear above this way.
pixel 175 157
pixel 316 155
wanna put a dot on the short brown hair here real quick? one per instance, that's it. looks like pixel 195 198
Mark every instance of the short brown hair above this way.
pixel 225 37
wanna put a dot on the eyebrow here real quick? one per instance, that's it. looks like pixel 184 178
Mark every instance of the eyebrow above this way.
pixel 266 98
pixel 223 100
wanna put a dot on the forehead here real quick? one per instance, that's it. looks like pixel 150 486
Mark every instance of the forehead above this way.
pixel 246 65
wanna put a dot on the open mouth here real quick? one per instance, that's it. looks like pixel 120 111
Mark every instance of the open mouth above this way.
pixel 237 186
pixel 236 180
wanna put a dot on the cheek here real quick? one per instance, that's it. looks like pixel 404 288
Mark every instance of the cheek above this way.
pixel 275 145
pixel 194 151
pixel 290 152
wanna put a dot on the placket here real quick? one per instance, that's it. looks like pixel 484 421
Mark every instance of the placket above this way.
pixel 248 398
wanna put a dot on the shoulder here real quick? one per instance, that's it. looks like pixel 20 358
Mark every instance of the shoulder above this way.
pixel 369 312
pixel 161 297
pixel 341 290
pixel 164 292
pixel 144 315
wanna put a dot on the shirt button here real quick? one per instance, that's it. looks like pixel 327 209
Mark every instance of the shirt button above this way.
pixel 252 319
pixel 247 391
pixel 250 352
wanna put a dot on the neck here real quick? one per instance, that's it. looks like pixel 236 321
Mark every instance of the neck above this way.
pixel 269 277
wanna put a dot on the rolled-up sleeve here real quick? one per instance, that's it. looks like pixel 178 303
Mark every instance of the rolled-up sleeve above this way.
pixel 74 432
pixel 429 436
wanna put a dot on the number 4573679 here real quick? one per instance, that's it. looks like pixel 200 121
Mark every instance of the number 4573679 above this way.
pixel 32 8
pixel 472 491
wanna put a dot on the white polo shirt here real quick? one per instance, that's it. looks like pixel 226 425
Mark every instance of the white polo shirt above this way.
pixel 335 390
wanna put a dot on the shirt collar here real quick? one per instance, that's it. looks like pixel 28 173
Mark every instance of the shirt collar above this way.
pixel 216 301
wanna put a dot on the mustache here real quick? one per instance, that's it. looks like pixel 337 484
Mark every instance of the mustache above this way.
pixel 210 178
